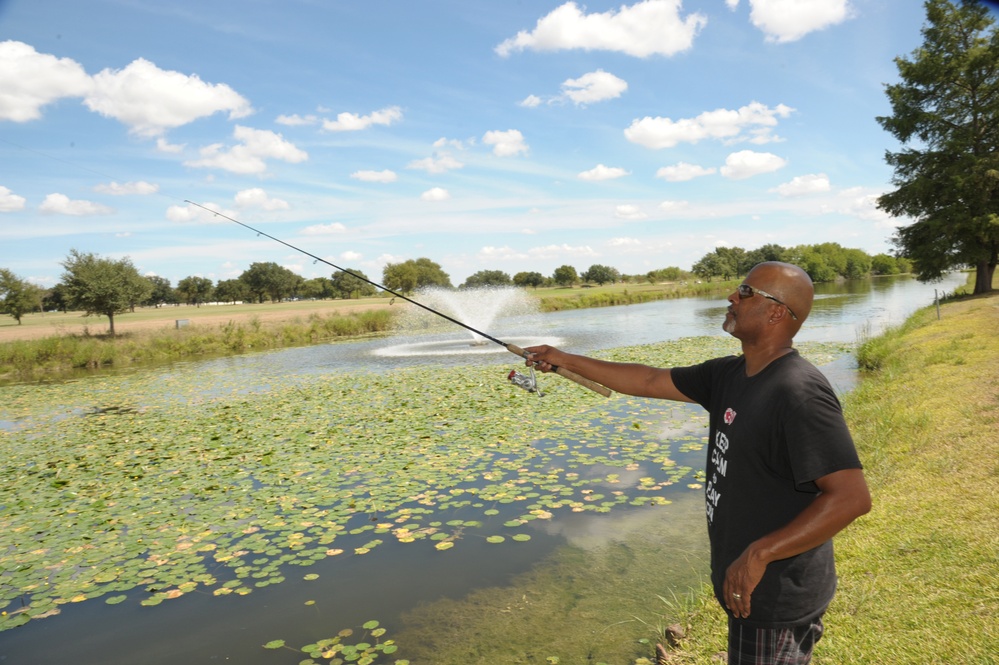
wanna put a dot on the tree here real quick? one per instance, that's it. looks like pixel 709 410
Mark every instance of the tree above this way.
pixel 231 290
pixel 411 275
pixel 600 274
pixel 523 279
pixel 565 276
pixel 349 284
pixel 487 278
pixel 269 280
pixel 195 290
pixel 944 113
pixel 56 299
pixel 162 293
pixel 18 296
pixel 103 286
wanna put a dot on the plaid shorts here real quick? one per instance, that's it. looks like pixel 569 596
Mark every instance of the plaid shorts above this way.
pixel 789 645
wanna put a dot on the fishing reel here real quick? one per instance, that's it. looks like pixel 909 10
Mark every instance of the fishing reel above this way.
pixel 528 383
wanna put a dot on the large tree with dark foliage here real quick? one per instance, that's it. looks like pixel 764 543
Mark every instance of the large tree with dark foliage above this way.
pixel 945 112
pixel 103 286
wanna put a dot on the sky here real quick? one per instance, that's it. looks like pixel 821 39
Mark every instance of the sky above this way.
pixel 483 135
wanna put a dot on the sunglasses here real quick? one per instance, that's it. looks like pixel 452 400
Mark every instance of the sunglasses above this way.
pixel 747 291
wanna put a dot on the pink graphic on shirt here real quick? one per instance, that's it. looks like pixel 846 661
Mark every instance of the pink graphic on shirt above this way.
pixel 729 416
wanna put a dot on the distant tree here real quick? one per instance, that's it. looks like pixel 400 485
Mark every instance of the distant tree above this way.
pixel 348 284
pixel 18 296
pixel 56 299
pixel 103 286
pixel 195 290
pixel 670 274
pixel 710 266
pixel 600 274
pixel 944 113
pixel 162 293
pixel 884 264
pixel 231 291
pixel 565 275
pixel 533 279
pixel 269 280
pixel 412 274
pixel 487 278
pixel 768 252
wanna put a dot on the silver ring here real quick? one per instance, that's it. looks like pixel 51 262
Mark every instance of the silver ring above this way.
pixel 736 596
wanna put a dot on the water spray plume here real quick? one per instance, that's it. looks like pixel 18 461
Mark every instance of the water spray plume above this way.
pixel 512 348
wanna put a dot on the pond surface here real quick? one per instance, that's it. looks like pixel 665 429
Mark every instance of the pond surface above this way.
pixel 569 482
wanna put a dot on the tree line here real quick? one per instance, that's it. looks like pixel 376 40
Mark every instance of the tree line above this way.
pixel 108 287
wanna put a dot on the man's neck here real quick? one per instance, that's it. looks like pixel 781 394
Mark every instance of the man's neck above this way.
pixel 759 356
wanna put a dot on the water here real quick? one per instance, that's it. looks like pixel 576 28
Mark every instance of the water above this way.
pixel 200 628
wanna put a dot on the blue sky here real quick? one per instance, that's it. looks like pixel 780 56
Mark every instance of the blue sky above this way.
pixel 514 136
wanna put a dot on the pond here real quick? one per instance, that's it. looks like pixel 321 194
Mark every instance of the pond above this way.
pixel 200 512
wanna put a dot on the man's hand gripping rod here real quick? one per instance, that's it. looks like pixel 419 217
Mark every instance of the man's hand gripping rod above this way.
pixel 512 348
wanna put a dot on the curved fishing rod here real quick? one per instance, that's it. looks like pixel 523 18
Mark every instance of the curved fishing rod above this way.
pixel 512 348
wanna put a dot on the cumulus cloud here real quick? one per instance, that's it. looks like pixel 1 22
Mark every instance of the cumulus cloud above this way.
pixel 375 176
pixel 863 204
pixel 530 102
pixel 671 206
pixel 29 80
pixel 601 172
pixel 506 144
pixel 629 211
pixel 171 148
pixel 682 171
pixel 789 20
pixel 255 197
pixel 803 185
pixel 193 213
pixel 332 228
pixel 435 194
pixel 295 120
pixel 722 124
pixel 436 164
pixel 151 100
pixel 625 242
pixel 649 27
pixel 249 155
pixel 350 122
pixel 60 204
pixel 594 87
pixel 9 201
pixel 141 187
pixel 351 256
pixel 746 163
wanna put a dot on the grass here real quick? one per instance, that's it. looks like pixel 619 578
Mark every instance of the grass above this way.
pixel 918 575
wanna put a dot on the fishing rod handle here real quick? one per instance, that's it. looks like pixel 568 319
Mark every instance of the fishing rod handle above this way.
pixel 561 371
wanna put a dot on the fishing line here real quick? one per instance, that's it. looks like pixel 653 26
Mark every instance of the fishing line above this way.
pixel 512 348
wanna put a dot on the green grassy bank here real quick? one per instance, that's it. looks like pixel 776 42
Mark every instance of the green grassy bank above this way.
pixel 918 575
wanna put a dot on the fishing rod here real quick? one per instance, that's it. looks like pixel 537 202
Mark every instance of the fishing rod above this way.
pixel 512 348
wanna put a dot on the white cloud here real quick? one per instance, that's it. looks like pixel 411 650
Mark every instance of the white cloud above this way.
pixel 140 187
pixel 746 163
pixel 248 156
pixel 351 256
pixel 530 102
pixel 295 120
pixel 506 144
pixel 682 171
pixel 458 144
pixel 629 211
pixel 555 251
pixel 9 201
pixel 435 194
pixel 375 176
pixel 29 80
pixel 594 87
pixel 625 242
pixel 255 197
pixel 171 148
pixel 649 27
pixel 60 204
pixel 670 206
pixel 789 20
pixel 332 228
pixel 439 164
pixel 193 213
pixel 722 124
pixel 350 122
pixel 860 203
pixel 151 100
pixel 802 185
pixel 601 172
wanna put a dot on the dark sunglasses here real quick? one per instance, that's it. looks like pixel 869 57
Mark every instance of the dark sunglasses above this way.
pixel 747 291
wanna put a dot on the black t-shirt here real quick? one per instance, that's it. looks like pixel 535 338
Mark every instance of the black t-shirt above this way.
pixel 771 436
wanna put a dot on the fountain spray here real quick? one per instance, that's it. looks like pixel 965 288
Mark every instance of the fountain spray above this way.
pixel 512 348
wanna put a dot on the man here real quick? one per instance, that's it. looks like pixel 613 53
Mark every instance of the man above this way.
pixel 783 476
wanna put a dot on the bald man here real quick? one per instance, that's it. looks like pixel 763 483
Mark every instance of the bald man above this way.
pixel 783 475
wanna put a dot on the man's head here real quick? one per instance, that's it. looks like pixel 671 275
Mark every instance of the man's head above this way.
pixel 773 300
